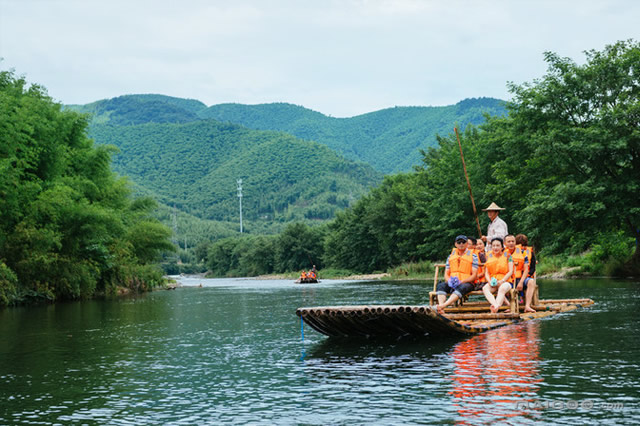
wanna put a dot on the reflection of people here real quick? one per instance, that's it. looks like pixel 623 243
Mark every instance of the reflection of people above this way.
pixel 498 272
pixel 459 274
pixel 484 373
pixel 498 227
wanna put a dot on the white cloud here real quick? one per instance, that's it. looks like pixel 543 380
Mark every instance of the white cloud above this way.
pixel 338 57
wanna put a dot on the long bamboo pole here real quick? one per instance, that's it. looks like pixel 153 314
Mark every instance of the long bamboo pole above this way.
pixel 473 203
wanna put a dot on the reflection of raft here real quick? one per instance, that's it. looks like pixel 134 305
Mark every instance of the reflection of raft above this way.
pixel 397 321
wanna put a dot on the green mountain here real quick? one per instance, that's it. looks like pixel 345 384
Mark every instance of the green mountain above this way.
pixel 189 156
pixel 390 139
pixel 194 166
pixel 139 109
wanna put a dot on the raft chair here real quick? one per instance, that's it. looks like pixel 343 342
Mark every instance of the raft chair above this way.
pixel 433 296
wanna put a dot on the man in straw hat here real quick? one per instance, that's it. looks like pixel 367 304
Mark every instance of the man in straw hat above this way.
pixel 498 227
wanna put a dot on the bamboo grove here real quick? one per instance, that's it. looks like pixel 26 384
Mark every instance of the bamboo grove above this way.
pixel 68 226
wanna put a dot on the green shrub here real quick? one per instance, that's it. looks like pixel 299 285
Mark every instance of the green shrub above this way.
pixel 8 285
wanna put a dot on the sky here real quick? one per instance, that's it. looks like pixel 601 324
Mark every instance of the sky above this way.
pixel 341 58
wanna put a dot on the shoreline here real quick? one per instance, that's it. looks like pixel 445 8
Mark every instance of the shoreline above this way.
pixel 350 277
pixel 557 275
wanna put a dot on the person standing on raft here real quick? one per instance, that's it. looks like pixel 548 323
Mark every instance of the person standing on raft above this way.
pixel 459 274
pixel 498 227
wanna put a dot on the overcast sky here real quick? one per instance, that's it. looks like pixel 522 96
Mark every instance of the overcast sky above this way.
pixel 341 58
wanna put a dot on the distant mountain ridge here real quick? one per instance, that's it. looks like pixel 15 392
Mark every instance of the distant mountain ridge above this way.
pixel 195 165
pixel 296 164
pixel 389 140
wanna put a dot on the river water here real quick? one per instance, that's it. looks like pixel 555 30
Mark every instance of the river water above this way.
pixel 234 351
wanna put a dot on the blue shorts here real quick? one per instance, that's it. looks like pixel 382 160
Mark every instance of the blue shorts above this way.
pixel 444 289
pixel 524 284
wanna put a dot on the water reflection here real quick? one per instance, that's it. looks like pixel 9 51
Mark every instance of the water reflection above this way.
pixel 231 352
pixel 497 372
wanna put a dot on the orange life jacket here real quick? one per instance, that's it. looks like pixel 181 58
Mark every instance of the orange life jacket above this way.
pixel 498 266
pixel 518 261
pixel 303 275
pixel 311 275
pixel 461 266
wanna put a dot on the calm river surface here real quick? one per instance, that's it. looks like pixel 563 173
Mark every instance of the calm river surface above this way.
pixel 234 351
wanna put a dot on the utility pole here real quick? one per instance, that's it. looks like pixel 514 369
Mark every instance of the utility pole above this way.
pixel 239 182
pixel 174 223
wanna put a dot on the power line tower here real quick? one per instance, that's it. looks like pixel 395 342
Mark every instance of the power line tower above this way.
pixel 239 182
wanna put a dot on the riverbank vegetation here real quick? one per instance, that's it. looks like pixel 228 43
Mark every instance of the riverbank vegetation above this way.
pixel 69 227
pixel 565 162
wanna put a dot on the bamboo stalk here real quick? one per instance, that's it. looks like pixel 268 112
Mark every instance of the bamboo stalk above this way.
pixel 464 166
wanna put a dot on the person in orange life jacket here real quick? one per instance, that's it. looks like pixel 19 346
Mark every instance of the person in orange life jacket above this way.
pixel 471 243
pixel 482 259
pixel 459 274
pixel 497 271
pixel 520 258
pixel 527 282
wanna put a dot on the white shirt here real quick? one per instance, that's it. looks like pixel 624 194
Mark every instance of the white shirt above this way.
pixel 497 229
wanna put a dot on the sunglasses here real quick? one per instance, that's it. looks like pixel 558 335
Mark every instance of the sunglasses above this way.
pixel 461 242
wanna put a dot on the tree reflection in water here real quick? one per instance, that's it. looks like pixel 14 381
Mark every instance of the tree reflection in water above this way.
pixel 497 374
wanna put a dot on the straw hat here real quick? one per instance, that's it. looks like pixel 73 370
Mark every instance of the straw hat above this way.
pixel 492 206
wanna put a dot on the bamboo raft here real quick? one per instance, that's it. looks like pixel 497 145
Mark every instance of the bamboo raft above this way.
pixel 402 320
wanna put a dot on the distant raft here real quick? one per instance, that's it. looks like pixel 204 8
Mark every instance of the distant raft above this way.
pixel 402 320
pixel 310 277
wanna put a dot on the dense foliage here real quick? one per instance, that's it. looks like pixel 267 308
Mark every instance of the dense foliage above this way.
pixel 175 153
pixel 139 109
pixel 194 166
pixel 298 247
pixel 565 163
pixel 390 140
pixel 68 226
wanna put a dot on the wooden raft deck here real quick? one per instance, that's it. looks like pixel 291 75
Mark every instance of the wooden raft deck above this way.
pixel 403 320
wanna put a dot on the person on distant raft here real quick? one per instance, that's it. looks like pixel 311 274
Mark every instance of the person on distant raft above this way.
pixel 498 272
pixel 527 282
pixel 498 227
pixel 459 274
pixel 312 274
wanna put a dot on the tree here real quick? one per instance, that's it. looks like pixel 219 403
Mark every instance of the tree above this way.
pixel 572 148
pixel 68 226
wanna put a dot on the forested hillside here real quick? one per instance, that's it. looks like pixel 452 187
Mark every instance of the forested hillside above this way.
pixel 565 163
pixel 195 165
pixel 390 139
pixel 138 109
pixel 176 152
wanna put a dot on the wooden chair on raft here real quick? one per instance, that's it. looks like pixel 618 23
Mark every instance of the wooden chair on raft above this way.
pixel 514 305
